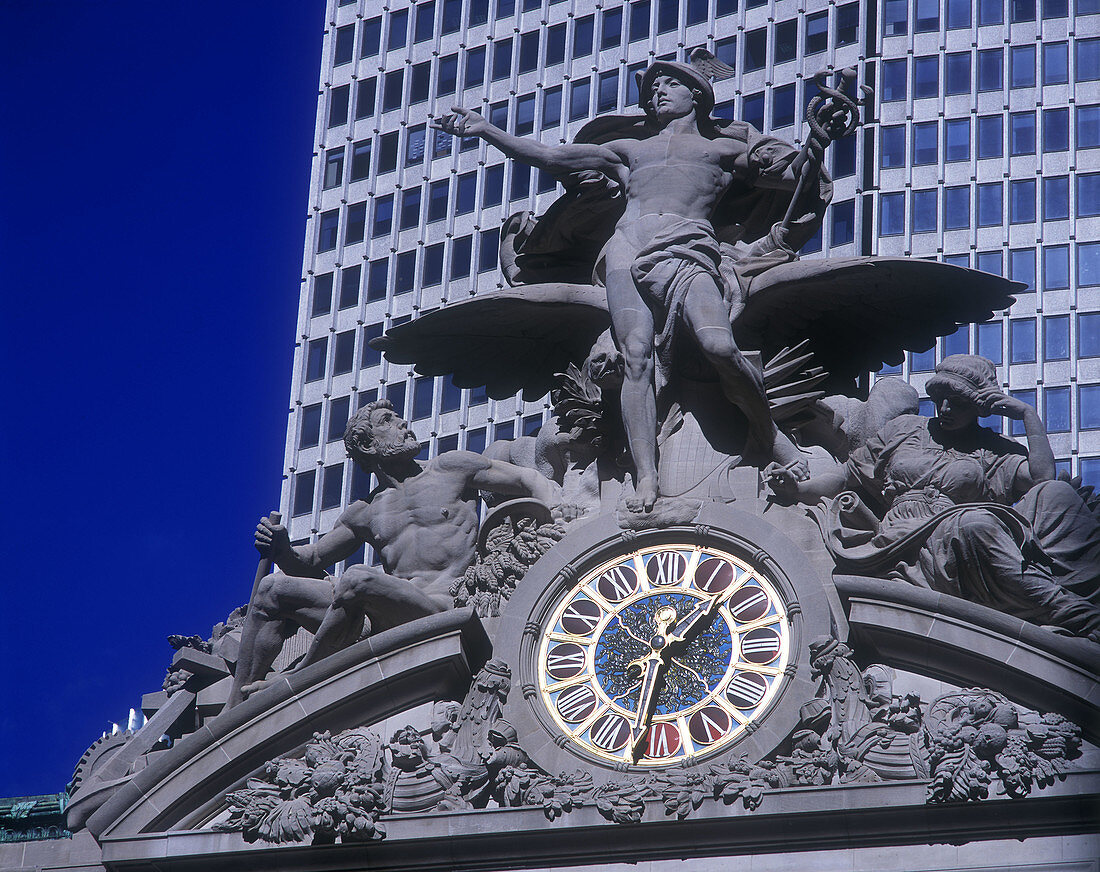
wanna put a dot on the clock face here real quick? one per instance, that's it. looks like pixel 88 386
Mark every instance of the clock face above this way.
pixel 662 654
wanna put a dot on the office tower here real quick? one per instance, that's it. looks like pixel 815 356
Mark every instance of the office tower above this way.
pixel 981 148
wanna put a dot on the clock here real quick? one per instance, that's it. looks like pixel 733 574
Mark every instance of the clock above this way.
pixel 663 653
pixel 641 650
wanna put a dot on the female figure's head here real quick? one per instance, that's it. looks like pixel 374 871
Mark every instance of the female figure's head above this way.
pixel 963 389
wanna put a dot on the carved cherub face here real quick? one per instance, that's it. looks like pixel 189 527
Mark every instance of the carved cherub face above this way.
pixel 671 98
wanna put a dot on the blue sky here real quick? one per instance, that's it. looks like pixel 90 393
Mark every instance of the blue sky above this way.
pixel 154 170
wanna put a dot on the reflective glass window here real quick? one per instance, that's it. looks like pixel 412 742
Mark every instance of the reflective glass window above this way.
pixel 990 136
pixel 957 73
pixel 1021 66
pixel 1056 337
pixel 1055 267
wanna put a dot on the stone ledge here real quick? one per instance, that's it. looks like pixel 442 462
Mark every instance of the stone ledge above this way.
pixel 968 644
pixel 789 821
pixel 432 658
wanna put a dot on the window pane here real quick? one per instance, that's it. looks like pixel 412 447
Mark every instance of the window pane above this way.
pixel 369 356
pixel 1055 130
pixel 349 286
pixel 343 353
pixel 1088 195
pixel 844 221
pixel 924 211
pixel 1056 267
pixel 1087 57
pixel 847 24
pixel 990 69
pixel 956 208
pixel 756 49
pixel 786 41
pixel 475 67
pixel 924 142
pixel 309 430
pixel 928 16
pixel 989 341
pixel 304 482
pixel 1056 337
pixel 1056 63
pixel 892 149
pixel 957 139
pixel 1021 341
pixel 356 223
pixel 1088 407
pixel 1088 264
pixel 990 262
pixel 611 28
pixel 377 280
pixel 639 20
pixel 895 17
pixel 583 30
pixel 926 76
pixel 957 342
pixel 316 355
pixel 990 136
pixel 893 80
pixel 489 247
pixel 322 295
pixel 990 11
pixel 579 99
pixel 752 110
pixel 1021 207
pixel 1021 266
pixel 1016 428
pixel 399 29
pixel 330 224
pixel 345 43
pixel 1056 197
pixel 383 216
pixel 958 14
pixel 957 73
pixel 783 106
pixel 1021 63
pixel 1021 133
pixel 892 214
pixel 364 97
pixel 1088 127
pixel 433 265
pixel 817 32
pixel 371 38
pixel 1088 334
pixel 338 105
pixel 990 205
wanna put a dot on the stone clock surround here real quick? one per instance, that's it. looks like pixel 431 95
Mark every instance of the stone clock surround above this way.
pixel 813 612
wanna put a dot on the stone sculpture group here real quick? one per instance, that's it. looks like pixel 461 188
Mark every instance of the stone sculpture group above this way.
pixel 690 357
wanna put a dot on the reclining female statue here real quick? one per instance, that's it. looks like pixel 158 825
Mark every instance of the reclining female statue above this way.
pixel 962 510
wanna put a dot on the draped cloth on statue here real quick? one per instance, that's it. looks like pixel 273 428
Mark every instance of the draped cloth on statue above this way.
pixel 964 520
pixel 671 253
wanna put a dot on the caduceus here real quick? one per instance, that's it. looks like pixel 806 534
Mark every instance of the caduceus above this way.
pixel 832 114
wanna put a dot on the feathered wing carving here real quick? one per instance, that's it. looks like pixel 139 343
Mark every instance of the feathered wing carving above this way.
pixel 853 314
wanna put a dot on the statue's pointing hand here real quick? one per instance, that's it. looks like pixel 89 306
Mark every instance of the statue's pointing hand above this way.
pixel 271 539
pixel 463 122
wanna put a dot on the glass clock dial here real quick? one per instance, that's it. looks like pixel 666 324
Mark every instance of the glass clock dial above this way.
pixel 662 654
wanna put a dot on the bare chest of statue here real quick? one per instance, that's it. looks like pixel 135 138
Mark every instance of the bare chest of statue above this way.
pixel 421 521
pixel 680 173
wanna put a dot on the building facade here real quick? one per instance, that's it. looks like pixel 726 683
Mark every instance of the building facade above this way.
pixel 981 147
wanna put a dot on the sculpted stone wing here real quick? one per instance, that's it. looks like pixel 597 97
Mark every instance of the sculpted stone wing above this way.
pixel 856 313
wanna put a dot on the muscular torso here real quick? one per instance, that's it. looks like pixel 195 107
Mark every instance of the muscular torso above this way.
pixel 423 529
pixel 679 173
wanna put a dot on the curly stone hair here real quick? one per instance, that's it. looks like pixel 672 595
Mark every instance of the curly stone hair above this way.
pixel 359 435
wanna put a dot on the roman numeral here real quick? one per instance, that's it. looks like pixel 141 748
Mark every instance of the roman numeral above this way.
pixel 749 604
pixel 665 568
pixel 663 740
pixel 565 661
pixel 576 703
pixel 746 689
pixel 581 617
pixel 709 725
pixel 714 575
pixel 610 732
pixel 760 646
pixel 617 583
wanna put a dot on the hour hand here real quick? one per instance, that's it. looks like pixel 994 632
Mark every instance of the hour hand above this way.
pixel 652 666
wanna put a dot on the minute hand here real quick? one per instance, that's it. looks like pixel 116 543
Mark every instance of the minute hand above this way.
pixel 694 621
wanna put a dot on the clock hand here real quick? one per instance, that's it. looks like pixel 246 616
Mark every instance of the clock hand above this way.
pixel 653 666
pixel 654 670
pixel 695 620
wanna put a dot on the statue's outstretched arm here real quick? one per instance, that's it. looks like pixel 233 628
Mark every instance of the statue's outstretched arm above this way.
pixel 555 159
